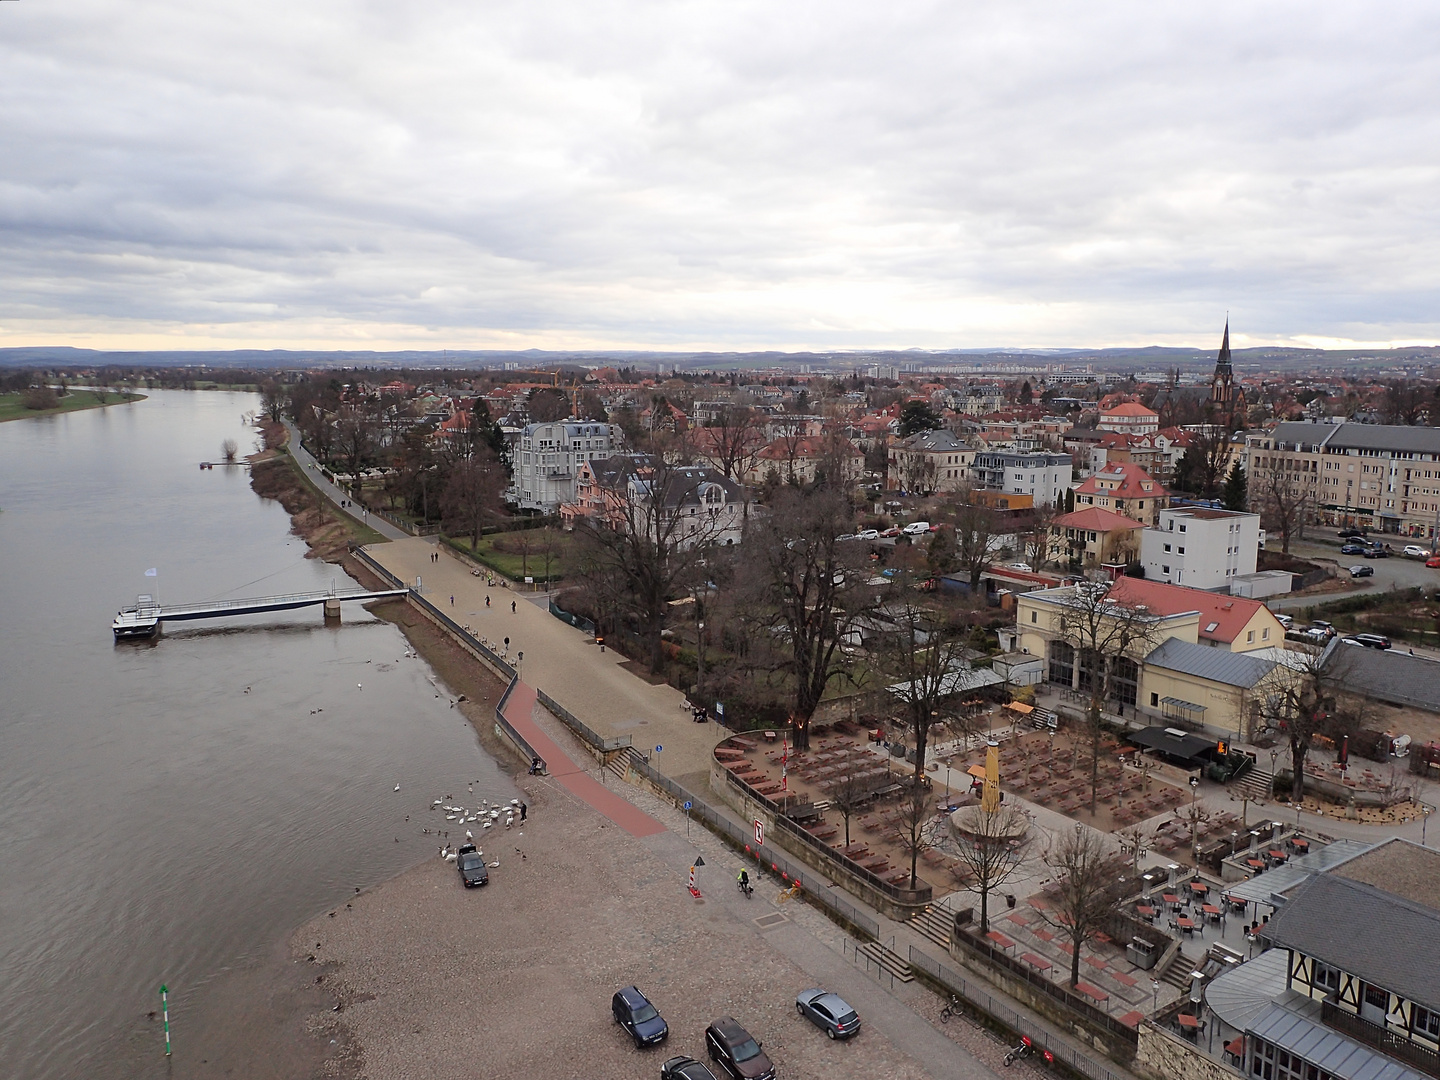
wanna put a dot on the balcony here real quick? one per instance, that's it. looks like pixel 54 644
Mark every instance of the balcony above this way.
pixel 1381 1038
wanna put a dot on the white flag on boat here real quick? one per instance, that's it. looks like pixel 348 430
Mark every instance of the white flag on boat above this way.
pixel 152 572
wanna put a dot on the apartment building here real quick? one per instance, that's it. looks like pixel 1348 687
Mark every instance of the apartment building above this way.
pixel 1125 488
pixel 1200 548
pixel 1042 476
pixel 1382 476
pixel 929 461
pixel 548 457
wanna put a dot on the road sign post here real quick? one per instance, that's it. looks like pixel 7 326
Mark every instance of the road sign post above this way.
pixel 688 805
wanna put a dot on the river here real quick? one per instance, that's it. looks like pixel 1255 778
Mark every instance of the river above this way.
pixel 169 810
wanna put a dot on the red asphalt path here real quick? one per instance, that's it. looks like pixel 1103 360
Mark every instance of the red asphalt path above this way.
pixel 519 709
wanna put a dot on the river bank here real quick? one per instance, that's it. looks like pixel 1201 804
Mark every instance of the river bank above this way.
pixel 284 1017
pixel 13 406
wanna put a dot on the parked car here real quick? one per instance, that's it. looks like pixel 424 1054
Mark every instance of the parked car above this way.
pixel 1433 562
pixel 1284 620
pixel 1346 534
pixel 1313 635
pixel 685 1068
pixel 471 865
pixel 868 534
pixel 1321 624
pixel 1352 641
pixel 1415 551
pixel 737 1052
pixel 893 531
pixel 828 1012
pixel 917 528
pixel 844 536
pixel 1377 553
pixel 1354 549
pixel 636 1015
pixel 1373 641
pixel 1361 570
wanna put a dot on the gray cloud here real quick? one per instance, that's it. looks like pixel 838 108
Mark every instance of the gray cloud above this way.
pixel 476 173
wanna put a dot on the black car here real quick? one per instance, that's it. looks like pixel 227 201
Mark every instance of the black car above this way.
pixel 1352 534
pixel 1361 570
pixel 1376 553
pixel 828 1012
pixel 471 865
pixel 1354 549
pixel 685 1068
pixel 736 1051
pixel 636 1015
pixel 1373 641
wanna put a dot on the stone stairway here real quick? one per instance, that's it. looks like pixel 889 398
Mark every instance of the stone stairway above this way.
pixel 935 923
pixel 619 765
pixel 1177 972
pixel 888 961
pixel 1256 785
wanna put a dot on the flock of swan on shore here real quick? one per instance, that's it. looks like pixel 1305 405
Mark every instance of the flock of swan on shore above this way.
pixel 487 816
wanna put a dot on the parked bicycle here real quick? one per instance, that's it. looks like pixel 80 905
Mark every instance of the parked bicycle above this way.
pixel 953 1007
pixel 1024 1050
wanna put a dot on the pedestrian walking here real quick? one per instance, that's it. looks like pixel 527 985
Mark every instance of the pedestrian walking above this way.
pixel 487 601
pixel 512 607
pixel 522 811
pixel 452 599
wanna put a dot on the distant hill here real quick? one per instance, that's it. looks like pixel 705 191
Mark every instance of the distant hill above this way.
pixel 1151 358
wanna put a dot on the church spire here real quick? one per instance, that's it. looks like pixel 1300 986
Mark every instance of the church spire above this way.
pixel 1222 363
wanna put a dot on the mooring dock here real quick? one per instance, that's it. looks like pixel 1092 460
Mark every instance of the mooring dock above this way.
pixel 145 617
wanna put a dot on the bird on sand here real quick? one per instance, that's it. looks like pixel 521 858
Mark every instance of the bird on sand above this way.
pixel 397 787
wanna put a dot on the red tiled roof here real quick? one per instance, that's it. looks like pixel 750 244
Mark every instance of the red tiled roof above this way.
pixel 1228 614
pixel 1097 518
pixel 1130 477
pixel 1129 408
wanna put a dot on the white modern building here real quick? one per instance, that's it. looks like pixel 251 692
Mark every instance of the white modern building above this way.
pixel 1200 548
pixel 1045 477
pixel 548 457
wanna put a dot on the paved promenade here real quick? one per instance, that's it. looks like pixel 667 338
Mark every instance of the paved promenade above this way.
pixel 559 659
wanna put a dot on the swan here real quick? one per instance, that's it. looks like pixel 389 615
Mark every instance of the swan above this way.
pixel 468 836
pixel 397 787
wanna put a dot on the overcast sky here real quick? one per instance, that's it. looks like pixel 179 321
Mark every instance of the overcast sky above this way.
pixel 687 173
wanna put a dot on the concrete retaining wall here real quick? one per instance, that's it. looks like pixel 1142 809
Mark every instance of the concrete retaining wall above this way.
pixel 1163 1056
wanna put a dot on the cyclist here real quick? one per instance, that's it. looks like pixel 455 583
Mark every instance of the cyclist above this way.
pixel 743 879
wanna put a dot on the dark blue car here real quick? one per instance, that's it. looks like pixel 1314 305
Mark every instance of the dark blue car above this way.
pixel 636 1015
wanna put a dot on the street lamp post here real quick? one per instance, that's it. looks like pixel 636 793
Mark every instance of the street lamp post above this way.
pixel 1194 821
pixel 1154 996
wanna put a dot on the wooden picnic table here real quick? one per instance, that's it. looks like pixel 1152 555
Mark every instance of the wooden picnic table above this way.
pixel 1132 1018
pixel 1122 978
pixel 1255 864
pixel 1039 963
pixel 745 744
pixel 1094 993
pixel 1277 855
pixel 878 863
pixel 1000 939
pixel 1171 899
pixel 1199 887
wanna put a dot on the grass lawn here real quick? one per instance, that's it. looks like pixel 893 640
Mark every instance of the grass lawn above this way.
pixel 12 406
pixel 510 563
pixel 359 531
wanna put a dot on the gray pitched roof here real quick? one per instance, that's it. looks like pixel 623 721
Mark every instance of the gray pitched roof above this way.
pixel 1386 675
pixel 1208 662
pixel 1376 935
pixel 939 441
pixel 1328 1049
pixel 1400 438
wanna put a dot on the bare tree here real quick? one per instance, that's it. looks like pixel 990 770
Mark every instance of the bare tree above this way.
pixel 1310 704
pixel 273 400
pixel 910 833
pixel 644 552
pixel 806 591
pixel 733 439
pixel 1086 892
pixel 1283 506
pixel 229 448
pixel 997 848
pixel 974 536
pixel 848 793
pixel 472 495
pixel 1106 635
pixel 1035 536
pixel 1405 402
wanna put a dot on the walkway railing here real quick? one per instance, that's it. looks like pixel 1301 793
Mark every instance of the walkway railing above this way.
pixel 1000 1011
pixel 579 727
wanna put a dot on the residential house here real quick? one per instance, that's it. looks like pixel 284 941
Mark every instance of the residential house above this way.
pixel 1088 538
pixel 548 456
pixel 1201 548
pixel 686 505
pixel 1126 489
pixel 1129 418
pixel 929 461
pixel 799 458
pixel 1045 477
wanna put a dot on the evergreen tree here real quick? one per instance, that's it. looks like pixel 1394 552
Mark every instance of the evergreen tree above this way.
pixel 483 429
pixel 1233 497
pixel 1027 394
pixel 917 416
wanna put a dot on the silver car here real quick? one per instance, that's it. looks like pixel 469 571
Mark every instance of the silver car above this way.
pixel 828 1012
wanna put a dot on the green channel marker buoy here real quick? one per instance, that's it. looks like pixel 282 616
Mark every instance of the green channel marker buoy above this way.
pixel 165 1012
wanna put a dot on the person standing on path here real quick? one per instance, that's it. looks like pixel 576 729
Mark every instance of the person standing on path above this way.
pixel 512 607
pixel 522 811
pixel 452 599
pixel 487 601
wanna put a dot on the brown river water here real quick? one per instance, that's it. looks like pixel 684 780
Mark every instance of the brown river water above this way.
pixel 170 810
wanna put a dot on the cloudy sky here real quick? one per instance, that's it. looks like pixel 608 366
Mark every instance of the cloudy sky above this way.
pixel 688 173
